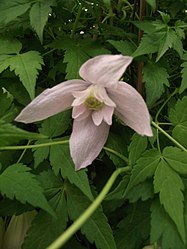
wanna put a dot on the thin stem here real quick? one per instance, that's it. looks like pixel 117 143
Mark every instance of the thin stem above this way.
pixel 165 102
pixel 33 146
pixel 23 153
pixel 62 239
pixel 169 137
pixel 76 20
pixel 125 159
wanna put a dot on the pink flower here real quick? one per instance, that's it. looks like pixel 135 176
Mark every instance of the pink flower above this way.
pixel 94 101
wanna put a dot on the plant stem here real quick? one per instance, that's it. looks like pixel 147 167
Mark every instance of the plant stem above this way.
pixel 169 137
pixel 62 239
pixel 76 20
pixel 33 146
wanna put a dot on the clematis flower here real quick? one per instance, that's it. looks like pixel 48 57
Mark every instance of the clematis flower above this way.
pixel 94 101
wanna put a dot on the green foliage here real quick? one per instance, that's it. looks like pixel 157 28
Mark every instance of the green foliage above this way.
pixel 155 77
pixel 11 134
pixel 178 116
pixel 184 74
pixel 16 181
pixel 96 229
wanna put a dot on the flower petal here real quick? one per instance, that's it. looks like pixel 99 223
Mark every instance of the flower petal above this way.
pixel 104 69
pixel 80 112
pixel 51 101
pixel 105 114
pixel 86 141
pixel 131 108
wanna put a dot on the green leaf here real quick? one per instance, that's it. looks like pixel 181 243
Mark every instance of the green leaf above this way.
pixel 17 182
pixel 42 153
pixel 176 158
pixel 61 161
pixel 96 228
pixel 27 71
pixel 166 42
pixel 137 146
pixel 11 134
pixel 163 229
pixel 46 228
pixel 124 47
pixel 134 228
pixel 144 168
pixel 184 75
pixel 152 3
pixel 178 116
pixel 165 17
pixel 169 186
pixel 148 45
pixel 39 14
pixel 11 9
pixel 7 110
pixel 155 77
pixel 56 125
pixel 116 143
pixel 8 46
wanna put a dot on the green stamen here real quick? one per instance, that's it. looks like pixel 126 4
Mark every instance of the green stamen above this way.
pixel 93 103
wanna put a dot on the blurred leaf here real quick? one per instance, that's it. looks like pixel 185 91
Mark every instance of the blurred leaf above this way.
pixel 17 182
pixel 96 228
pixel 178 116
pixel 7 110
pixel 10 46
pixel 152 3
pixel 39 14
pixel 60 160
pixel 10 9
pixel 134 228
pixel 56 125
pixel 11 134
pixel 163 229
pixel 124 47
pixel 155 77
pixel 184 75
pixel 46 228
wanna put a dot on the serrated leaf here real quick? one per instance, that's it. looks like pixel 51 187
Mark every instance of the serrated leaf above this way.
pixel 169 186
pixel 137 146
pixel 133 229
pixel 155 77
pixel 166 42
pixel 11 134
pixel 184 77
pixel 7 110
pixel 163 229
pixel 176 158
pixel 39 14
pixel 8 46
pixel 96 228
pixel 42 153
pixel 60 160
pixel 11 9
pixel 124 47
pixel 56 125
pixel 148 45
pixel 16 181
pixel 178 116
pixel 74 57
pixel 46 228
pixel 144 168
pixel 26 66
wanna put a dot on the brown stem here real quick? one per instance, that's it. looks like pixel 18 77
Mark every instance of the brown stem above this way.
pixel 142 5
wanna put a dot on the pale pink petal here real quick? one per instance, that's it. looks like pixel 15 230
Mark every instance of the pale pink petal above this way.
pixel 101 94
pixel 80 112
pixel 105 114
pixel 104 69
pixel 131 108
pixel 86 141
pixel 81 96
pixel 51 101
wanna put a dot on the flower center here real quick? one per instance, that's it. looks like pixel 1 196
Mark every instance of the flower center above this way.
pixel 93 103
